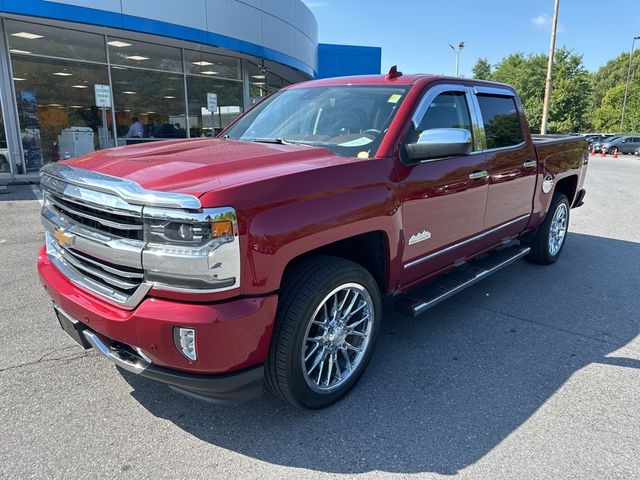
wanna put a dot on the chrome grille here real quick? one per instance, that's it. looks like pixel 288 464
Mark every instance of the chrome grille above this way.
pixel 95 238
pixel 98 218
pixel 125 280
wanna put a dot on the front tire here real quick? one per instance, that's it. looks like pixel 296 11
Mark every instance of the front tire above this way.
pixel 327 324
pixel 550 236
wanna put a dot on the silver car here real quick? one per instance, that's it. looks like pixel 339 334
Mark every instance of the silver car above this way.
pixel 626 144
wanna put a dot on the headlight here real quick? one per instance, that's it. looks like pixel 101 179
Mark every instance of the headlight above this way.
pixel 191 251
pixel 187 232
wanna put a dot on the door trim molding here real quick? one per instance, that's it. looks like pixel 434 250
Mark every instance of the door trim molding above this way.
pixel 420 260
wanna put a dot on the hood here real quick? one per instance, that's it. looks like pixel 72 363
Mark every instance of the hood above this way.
pixel 198 166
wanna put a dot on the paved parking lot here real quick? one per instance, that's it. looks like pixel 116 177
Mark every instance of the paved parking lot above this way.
pixel 534 373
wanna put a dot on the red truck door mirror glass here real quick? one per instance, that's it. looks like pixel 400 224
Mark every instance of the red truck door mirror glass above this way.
pixel 440 143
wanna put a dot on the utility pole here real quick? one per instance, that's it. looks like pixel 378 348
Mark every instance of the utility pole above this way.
pixel 626 87
pixel 457 52
pixel 547 88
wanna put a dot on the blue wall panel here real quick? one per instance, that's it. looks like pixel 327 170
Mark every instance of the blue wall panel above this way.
pixel 345 60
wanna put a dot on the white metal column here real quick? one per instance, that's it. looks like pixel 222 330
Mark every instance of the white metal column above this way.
pixel 9 109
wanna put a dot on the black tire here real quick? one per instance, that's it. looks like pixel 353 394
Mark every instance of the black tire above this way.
pixel 540 248
pixel 612 150
pixel 303 291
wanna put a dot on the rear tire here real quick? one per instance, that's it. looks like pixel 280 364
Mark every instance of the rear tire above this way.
pixel 327 324
pixel 549 238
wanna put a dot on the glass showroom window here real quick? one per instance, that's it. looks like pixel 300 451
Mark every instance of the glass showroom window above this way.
pixel 155 99
pixel 30 38
pixel 204 123
pixel 5 167
pixel 56 106
pixel 148 87
pixel 55 92
pixel 132 53
pixel 211 66
pixel 212 74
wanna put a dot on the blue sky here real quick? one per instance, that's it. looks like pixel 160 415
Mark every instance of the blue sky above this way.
pixel 415 34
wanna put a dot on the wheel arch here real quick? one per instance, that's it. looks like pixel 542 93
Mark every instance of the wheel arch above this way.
pixel 568 186
pixel 370 250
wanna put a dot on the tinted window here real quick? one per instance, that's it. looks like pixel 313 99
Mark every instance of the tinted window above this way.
pixel 501 121
pixel 448 110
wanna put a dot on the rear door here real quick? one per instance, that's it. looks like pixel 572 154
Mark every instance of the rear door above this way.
pixel 511 163
pixel 443 200
pixel 634 142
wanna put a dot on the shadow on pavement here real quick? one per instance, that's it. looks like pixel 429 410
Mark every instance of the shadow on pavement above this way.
pixel 443 391
pixel 14 193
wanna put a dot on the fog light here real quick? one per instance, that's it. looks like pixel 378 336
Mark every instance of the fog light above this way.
pixel 185 341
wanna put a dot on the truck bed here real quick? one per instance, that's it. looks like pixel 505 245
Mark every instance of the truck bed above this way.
pixel 560 152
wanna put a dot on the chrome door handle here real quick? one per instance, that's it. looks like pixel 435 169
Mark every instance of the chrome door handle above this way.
pixel 530 164
pixel 478 175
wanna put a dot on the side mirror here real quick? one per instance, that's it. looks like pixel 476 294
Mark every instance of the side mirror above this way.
pixel 440 143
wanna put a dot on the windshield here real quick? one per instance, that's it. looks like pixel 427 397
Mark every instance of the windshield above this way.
pixel 350 120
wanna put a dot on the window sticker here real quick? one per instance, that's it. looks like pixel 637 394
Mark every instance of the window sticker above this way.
pixel 358 142
pixel 394 98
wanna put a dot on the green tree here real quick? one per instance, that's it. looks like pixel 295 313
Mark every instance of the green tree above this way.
pixel 606 118
pixel 608 95
pixel 482 69
pixel 613 73
pixel 569 105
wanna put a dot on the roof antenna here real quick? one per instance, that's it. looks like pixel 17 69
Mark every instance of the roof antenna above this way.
pixel 393 73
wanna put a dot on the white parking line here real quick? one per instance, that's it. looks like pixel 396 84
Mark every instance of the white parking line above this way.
pixel 37 192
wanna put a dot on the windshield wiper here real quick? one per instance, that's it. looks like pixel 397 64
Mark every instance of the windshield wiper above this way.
pixel 279 141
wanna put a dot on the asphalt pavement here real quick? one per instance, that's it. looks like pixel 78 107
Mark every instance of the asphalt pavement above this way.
pixel 533 373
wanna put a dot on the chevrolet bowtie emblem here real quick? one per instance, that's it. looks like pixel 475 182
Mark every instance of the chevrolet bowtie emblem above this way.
pixel 65 239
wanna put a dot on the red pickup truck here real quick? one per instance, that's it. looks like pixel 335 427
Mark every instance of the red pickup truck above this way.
pixel 263 256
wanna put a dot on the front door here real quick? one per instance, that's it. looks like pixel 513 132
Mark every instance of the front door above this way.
pixel 443 200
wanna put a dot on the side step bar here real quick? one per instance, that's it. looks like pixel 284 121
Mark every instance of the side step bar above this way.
pixel 422 298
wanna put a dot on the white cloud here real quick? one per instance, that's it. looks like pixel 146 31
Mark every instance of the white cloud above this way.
pixel 315 4
pixel 544 21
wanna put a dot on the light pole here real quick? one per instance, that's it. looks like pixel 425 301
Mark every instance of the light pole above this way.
pixel 457 52
pixel 547 87
pixel 626 87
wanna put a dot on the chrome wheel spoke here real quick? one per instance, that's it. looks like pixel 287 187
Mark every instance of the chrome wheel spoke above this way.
pixel 353 325
pixel 348 346
pixel 311 352
pixel 337 365
pixel 318 360
pixel 358 334
pixel 346 359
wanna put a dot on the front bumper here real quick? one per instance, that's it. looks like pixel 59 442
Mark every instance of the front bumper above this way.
pixel 238 386
pixel 232 337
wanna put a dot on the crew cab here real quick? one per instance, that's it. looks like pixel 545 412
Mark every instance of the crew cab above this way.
pixel 264 256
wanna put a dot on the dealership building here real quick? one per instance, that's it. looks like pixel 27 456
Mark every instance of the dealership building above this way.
pixel 75 74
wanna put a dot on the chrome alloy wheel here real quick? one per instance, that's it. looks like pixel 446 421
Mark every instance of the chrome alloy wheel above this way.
pixel 558 229
pixel 337 337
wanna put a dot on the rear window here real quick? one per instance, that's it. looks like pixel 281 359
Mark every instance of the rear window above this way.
pixel 501 121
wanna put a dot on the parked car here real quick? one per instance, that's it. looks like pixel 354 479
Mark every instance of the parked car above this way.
pixel 597 146
pixel 637 152
pixel 626 144
pixel 263 256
